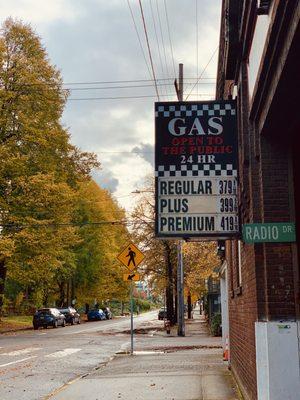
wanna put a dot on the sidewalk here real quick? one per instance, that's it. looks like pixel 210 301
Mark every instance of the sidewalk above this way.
pixel 163 367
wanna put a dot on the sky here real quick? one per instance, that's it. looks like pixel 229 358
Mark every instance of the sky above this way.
pixel 93 41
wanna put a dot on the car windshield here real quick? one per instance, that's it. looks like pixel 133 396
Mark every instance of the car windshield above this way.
pixel 63 310
pixel 44 312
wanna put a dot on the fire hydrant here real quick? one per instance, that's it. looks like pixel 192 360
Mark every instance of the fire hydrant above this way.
pixel 168 327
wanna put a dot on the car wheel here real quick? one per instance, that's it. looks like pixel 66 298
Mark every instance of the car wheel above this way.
pixel 72 321
pixel 63 324
pixel 55 324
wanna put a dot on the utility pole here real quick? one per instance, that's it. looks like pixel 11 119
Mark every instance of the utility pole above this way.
pixel 180 276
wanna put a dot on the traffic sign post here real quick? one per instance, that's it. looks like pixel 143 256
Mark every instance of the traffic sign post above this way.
pixel 131 318
pixel 131 257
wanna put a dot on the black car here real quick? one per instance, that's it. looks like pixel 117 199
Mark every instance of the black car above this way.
pixel 72 316
pixel 162 313
pixel 48 317
pixel 107 312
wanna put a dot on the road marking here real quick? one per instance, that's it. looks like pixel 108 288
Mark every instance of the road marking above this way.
pixel 17 361
pixel 73 333
pixel 20 352
pixel 62 353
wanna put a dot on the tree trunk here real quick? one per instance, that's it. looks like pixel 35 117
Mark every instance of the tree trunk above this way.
pixel 2 283
pixel 176 298
pixel 189 299
pixel 62 294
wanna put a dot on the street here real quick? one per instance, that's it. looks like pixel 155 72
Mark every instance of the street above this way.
pixel 34 364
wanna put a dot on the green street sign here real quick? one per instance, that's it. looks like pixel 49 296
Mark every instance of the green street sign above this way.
pixel 272 232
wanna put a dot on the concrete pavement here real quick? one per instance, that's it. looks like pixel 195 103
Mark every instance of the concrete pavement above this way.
pixel 163 367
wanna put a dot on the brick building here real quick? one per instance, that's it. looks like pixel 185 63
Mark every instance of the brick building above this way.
pixel 259 65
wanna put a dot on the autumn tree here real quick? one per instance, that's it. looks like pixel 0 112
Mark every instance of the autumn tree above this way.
pixel 39 169
pixel 102 235
pixel 159 268
pixel 200 259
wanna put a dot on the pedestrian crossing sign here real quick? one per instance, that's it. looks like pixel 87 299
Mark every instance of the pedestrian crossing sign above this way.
pixel 131 257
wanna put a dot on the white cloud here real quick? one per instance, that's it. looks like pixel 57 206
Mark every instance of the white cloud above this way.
pixel 40 11
pixel 95 40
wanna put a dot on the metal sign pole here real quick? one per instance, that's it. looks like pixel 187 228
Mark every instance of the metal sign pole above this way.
pixel 180 294
pixel 181 327
pixel 131 317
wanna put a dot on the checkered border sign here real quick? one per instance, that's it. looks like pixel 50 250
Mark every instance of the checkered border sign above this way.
pixel 196 170
pixel 197 110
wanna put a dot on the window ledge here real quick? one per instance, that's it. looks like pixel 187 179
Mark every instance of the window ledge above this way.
pixel 238 291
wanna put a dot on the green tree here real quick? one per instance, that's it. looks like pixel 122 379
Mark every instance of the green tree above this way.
pixel 102 234
pixel 39 169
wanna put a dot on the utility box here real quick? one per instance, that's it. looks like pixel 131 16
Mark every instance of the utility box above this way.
pixel 278 360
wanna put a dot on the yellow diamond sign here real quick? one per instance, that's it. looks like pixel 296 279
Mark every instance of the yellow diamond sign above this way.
pixel 131 257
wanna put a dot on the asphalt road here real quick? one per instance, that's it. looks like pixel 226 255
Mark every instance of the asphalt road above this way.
pixel 35 364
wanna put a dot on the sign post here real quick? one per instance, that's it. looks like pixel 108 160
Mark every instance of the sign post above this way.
pixel 131 318
pixel 131 257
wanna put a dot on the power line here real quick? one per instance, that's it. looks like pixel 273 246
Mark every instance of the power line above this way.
pixel 204 69
pixel 125 152
pixel 158 46
pixel 149 50
pixel 168 26
pixel 138 36
pixel 197 44
pixel 107 82
pixel 54 224
pixel 132 86
pixel 70 224
pixel 162 38
pixel 129 97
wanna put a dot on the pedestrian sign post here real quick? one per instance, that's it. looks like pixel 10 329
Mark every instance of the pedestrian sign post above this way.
pixel 131 257
pixel 131 277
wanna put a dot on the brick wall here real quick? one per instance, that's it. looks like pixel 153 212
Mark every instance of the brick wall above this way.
pixel 267 287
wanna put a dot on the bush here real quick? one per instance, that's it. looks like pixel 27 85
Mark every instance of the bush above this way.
pixel 216 324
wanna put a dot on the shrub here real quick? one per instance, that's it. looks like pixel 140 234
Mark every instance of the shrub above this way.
pixel 216 324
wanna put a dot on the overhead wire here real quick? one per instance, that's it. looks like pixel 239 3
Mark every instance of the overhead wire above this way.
pixel 106 82
pixel 138 36
pixel 203 71
pixel 197 43
pixel 149 50
pixel 130 97
pixel 158 45
pixel 162 39
pixel 67 224
pixel 169 33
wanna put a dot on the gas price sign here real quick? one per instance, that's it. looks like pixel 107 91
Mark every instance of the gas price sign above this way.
pixel 196 169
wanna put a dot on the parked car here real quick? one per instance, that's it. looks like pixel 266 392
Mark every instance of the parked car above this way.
pixel 162 313
pixel 72 316
pixel 97 314
pixel 108 313
pixel 48 317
